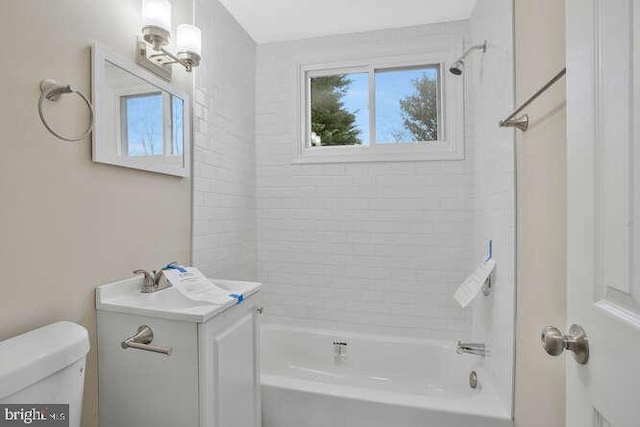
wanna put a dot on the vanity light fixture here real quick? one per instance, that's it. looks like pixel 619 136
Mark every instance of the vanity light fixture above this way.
pixel 156 34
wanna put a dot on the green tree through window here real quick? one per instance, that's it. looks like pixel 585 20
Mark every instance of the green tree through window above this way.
pixel 330 120
pixel 420 110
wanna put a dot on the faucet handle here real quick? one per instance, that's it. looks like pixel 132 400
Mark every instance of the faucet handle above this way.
pixel 145 272
pixel 149 280
pixel 160 281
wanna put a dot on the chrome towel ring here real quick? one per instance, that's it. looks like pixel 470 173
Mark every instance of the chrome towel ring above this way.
pixel 52 91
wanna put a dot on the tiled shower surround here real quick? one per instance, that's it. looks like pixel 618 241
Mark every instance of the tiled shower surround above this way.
pixel 370 247
pixel 224 215
pixel 373 247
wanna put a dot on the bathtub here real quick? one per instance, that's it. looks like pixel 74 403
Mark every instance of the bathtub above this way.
pixel 381 382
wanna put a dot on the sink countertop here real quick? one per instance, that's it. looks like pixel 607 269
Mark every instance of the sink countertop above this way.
pixel 124 296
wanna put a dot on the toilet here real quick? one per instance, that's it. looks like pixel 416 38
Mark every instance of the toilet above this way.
pixel 45 366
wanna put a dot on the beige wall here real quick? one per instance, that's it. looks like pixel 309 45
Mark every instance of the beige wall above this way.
pixel 67 224
pixel 540 54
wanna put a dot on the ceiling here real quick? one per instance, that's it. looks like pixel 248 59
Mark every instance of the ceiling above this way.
pixel 279 20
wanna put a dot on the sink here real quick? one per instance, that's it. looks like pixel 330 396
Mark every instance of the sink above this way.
pixel 125 297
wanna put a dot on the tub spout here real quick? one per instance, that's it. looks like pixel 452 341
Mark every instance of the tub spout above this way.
pixel 477 349
pixel 339 352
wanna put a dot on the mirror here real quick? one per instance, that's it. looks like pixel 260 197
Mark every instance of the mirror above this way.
pixel 142 122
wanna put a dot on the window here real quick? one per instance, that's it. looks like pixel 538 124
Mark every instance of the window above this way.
pixel 142 130
pixel 177 125
pixel 380 111
pixel 339 110
pixel 407 104
pixel 143 127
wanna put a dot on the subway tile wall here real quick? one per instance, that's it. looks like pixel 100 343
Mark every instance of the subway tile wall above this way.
pixel 224 202
pixel 369 247
pixel 491 94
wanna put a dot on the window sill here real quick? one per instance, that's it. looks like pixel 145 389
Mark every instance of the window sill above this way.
pixel 415 152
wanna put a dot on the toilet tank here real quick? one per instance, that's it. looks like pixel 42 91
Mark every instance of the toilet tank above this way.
pixel 45 366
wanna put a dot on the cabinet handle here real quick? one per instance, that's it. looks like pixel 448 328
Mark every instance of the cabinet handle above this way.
pixel 141 340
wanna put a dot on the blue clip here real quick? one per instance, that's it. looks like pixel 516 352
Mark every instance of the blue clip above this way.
pixel 490 251
pixel 240 298
pixel 173 266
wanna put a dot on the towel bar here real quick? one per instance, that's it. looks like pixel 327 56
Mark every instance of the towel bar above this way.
pixel 522 122
pixel 141 341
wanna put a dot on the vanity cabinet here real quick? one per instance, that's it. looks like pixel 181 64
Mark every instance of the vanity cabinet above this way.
pixel 230 370
pixel 211 377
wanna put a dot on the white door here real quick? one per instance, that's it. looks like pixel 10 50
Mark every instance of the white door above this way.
pixel 603 210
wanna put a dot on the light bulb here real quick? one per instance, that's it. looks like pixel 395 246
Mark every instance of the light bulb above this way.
pixel 189 39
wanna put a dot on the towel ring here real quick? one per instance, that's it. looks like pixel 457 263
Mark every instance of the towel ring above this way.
pixel 52 91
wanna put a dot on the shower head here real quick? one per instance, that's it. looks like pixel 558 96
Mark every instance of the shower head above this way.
pixel 458 67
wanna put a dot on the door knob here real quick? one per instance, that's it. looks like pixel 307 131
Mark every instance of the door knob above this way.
pixel 554 343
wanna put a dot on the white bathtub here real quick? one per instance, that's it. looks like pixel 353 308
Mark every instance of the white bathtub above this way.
pixel 384 382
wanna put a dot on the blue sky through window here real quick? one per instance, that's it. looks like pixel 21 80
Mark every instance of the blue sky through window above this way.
pixel 144 125
pixel 391 87
pixel 356 101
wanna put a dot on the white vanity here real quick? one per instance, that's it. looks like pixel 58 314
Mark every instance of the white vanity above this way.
pixel 200 368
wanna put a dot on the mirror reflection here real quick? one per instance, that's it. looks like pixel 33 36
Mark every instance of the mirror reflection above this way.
pixel 150 119
pixel 141 122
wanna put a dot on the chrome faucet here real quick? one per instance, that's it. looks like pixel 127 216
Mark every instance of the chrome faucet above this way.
pixel 471 348
pixel 153 282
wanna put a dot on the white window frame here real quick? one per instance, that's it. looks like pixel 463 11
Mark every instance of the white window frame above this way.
pixel 450 143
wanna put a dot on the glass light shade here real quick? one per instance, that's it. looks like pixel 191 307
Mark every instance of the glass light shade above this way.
pixel 156 13
pixel 189 39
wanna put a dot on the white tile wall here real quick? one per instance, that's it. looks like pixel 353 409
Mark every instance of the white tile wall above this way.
pixel 492 99
pixel 373 247
pixel 224 214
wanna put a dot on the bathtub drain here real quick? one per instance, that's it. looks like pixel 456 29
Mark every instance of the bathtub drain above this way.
pixel 473 379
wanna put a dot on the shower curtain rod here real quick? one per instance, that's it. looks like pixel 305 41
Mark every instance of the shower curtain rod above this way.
pixel 522 123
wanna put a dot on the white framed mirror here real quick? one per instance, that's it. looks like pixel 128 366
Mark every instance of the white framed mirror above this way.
pixel 142 122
